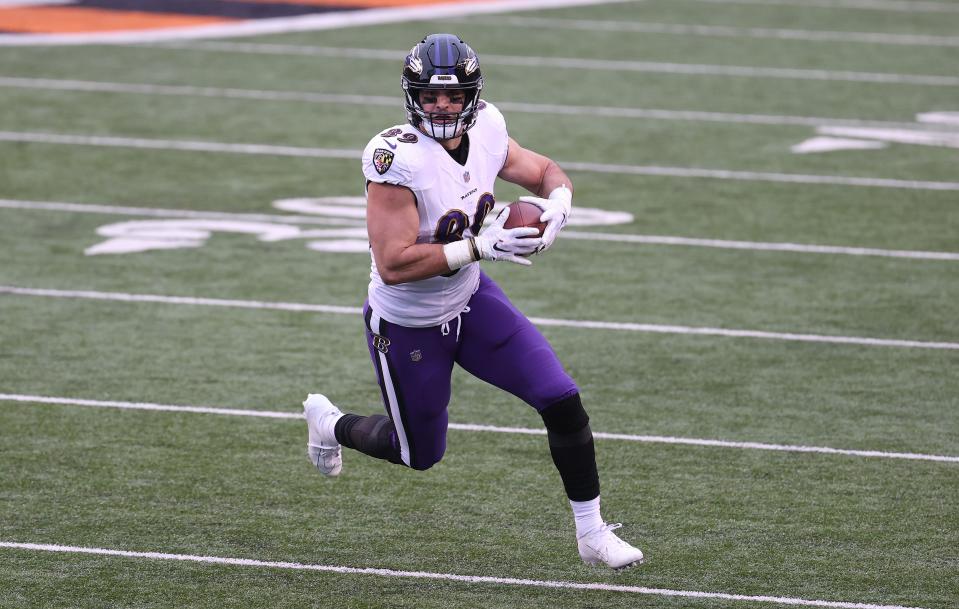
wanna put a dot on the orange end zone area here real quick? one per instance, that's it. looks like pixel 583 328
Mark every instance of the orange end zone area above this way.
pixel 361 3
pixel 65 19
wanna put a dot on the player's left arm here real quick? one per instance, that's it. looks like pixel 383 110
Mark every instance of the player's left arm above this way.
pixel 543 177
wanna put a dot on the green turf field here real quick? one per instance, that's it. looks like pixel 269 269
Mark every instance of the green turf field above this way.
pixel 765 528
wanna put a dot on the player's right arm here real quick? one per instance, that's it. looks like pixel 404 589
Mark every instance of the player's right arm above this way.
pixel 392 223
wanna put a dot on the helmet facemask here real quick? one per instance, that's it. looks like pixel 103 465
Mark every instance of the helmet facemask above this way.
pixel 442 62
pixel 442 125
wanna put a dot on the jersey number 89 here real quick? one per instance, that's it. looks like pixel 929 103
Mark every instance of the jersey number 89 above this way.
pixel 453 224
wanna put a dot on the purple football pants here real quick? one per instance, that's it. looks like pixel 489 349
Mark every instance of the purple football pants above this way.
pixel 490 339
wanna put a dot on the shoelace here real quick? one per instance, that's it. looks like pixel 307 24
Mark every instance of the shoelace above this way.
pixel 609 528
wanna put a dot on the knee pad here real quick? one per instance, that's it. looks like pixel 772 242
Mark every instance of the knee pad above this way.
pixel 571 446
pixel 566 422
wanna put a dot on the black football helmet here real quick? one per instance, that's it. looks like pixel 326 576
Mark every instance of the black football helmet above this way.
pixel 442 61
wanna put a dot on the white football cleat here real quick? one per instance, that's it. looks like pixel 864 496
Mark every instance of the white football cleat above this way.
pixel 322 448
pixel 603 546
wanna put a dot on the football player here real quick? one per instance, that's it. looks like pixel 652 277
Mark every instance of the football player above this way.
pixel 429 189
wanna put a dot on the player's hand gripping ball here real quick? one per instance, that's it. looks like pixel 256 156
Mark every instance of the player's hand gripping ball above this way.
pixel 523 214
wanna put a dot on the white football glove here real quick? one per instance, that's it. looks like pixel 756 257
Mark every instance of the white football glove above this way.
pixel 495 243
pixel 511 244
pixel 556 210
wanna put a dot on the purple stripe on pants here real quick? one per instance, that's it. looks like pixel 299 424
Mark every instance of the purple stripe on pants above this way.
pixel 491 340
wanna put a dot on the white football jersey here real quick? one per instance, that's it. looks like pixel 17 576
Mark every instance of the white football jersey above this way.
pixel 452 201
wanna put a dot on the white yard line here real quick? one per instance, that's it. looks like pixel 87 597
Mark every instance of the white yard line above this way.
pixel 755 176
pixel 472 427
pixel 303 23
pixel 179 145
pixel 825 450
pixel 154 212
pixel 160 212
pixel 340 153
pixel 88 86
pixel 756 245
pixel 233 412
pixel 449 577
pixel 184 91
pixel 183 300
pixel 905 6
pixel 881 38
pixel 687 330
pixel 542 321
pixel 615 65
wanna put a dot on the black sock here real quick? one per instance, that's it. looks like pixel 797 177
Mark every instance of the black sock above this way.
pixel 571 446
pixel 374 436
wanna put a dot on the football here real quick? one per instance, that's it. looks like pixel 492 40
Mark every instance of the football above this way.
pixel 525 214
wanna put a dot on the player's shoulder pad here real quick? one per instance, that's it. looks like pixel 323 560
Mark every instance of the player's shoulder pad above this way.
pixel 489 112
pixel 492 132
pixel 392 156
